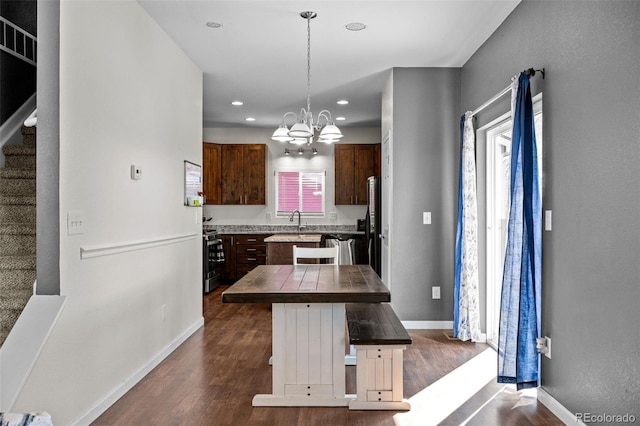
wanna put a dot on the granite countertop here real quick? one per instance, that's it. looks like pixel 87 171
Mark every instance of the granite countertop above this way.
pixel 294 238
pixel 283 229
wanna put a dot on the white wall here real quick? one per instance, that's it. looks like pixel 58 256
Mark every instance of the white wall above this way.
pixel 128 95
pixel 324 160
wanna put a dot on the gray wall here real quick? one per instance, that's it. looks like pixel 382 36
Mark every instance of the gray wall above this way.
pixel 426 105
pixel 48 149
pixel 591 260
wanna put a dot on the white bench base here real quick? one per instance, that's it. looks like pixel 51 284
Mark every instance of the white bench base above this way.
pixel 379 375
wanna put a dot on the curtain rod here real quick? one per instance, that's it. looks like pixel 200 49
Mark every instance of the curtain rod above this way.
pixel 530 72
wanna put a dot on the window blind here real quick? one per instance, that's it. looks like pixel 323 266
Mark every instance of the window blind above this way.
pixel 303 191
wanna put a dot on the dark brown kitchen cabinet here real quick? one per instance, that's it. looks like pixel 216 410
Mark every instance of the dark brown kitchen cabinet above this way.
pixel 251 251
pixel 244 173
pixel 354 163
pixel 281 253
pixel 242 253
pixel 229 271
pixel 212 172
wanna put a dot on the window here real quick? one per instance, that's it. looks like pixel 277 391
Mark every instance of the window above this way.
pixel 497 138
pixel 303 191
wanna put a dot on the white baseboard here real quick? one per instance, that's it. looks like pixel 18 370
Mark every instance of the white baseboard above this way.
pixel 117 393
pixel 428 325
pixel 566 416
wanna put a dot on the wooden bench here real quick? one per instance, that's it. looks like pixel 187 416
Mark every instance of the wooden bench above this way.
pixel 379 339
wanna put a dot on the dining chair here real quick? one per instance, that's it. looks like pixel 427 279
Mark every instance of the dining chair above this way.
pixel 316 253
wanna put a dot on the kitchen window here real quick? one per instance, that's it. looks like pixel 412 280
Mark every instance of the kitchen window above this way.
pixel 300 190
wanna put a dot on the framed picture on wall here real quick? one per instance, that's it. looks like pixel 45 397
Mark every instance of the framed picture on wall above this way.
pixel 192 184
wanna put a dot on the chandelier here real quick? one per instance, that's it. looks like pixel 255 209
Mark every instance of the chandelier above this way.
pixel 303 130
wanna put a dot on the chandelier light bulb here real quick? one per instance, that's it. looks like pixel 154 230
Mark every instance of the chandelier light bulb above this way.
pixel 304 128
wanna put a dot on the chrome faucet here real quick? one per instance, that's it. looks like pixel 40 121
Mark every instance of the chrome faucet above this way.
pixel 293 213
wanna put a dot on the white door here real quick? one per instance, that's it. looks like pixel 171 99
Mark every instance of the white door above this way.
pixel 498 143
pixel 385 266
pixel 498 183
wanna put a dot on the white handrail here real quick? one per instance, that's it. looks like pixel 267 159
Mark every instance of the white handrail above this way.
pixel 32 120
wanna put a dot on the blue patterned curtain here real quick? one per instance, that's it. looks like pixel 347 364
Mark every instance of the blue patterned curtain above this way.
pixel 518 359
pixel 466 311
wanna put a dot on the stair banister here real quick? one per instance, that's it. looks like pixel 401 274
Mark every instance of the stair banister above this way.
pixel 32 120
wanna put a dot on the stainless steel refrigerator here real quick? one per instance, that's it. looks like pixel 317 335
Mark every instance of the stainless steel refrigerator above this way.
pixel 373 224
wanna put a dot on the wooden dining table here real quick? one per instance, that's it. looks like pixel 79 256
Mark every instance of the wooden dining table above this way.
pixel 308 333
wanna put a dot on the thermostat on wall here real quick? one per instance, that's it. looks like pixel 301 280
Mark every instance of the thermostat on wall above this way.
pixel 136 172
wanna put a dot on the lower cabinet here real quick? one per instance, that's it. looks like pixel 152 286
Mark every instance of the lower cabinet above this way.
pixel 251 251
pixel 279 253
pixel 242 253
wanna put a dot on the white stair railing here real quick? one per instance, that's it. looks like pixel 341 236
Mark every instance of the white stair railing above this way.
pixel 17 42
pixel 32 120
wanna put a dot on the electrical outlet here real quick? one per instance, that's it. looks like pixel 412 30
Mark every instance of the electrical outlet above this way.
pixel 333 215
pixel 435 292
pixel 547 342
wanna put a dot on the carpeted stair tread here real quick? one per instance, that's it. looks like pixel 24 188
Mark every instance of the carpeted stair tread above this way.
pixel 17 244
pixel 17 182
pixel 17 174
pixel 17 229
pixel 17 279
pixel 17 213
pixel 18 200
pixel 28 136
pixel 21 295
pixel 19 157
pixel 18 150
pixel 22 261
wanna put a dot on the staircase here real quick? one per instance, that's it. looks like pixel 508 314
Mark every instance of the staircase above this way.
pixel 17 229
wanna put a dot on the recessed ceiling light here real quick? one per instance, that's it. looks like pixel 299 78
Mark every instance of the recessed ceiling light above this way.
pixel 355 26
pixel 214 24
pixel 237 103
pixel 343 102
pixel 340 118
pixel 249 119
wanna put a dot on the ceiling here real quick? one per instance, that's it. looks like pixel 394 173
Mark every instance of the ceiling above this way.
pixel 259 54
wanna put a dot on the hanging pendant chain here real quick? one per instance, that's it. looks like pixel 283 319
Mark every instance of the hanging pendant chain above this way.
pixel 309 69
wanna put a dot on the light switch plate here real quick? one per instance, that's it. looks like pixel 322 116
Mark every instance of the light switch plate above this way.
pixel 435 292
pixel 547 220
pixel 426 218
pixel 75 223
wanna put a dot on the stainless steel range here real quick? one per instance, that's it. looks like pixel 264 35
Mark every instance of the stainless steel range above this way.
pixel 212 260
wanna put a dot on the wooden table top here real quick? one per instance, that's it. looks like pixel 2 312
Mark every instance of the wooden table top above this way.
pixel 308 284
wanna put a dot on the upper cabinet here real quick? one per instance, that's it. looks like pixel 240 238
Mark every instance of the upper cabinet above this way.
pixel 242 173
pixel 211 173
pixel 354 163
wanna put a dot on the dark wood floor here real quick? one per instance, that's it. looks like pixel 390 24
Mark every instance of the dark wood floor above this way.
pixel 212 377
